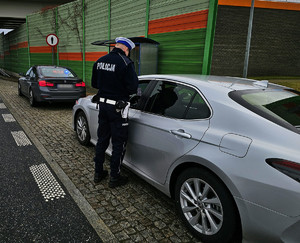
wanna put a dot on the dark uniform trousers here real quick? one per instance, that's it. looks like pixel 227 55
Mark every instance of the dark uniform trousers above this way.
pixel 111 125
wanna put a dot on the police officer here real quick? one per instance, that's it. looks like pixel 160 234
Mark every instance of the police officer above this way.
pixel 115 78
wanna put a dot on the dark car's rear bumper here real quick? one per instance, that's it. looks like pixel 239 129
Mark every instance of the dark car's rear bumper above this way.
pixel 46 95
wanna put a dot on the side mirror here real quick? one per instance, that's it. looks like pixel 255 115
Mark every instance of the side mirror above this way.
pixel 22 74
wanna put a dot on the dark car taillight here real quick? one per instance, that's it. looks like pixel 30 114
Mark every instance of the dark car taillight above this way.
pixel 44 83
pixel 81 84
pixel 287 167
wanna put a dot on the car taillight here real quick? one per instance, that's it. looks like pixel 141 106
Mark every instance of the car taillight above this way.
pixel 44 83
pixel 287 167
pixel 81 84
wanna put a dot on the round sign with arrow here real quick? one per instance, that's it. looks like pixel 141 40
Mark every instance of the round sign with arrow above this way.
pixel 52 40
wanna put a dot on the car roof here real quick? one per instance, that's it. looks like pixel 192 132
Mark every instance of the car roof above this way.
pixel 228 83
pixel 52 66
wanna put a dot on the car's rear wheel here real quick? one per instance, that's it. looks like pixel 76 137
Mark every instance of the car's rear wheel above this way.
pixel 32 100
pixel 82 129
pixel 19 90
pixel 206 206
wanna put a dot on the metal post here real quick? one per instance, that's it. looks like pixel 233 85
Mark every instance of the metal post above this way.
pixel 109 26
pixel 147 18
pixel 3 51
pixel 57 47
pixel 52 55
pixel 28 43
pixel 246 62
pixel 210 35
pixel 83 41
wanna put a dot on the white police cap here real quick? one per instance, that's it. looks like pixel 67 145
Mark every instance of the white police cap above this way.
pixel 125 42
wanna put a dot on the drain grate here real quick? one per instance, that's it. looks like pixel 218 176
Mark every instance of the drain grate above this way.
pixel 46 182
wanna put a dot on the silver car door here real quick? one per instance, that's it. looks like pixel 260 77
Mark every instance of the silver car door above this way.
pixel 144 88
pixel 162 133
pixel 22 81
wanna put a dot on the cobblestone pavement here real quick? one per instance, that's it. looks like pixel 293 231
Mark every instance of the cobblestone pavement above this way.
pixel 136 212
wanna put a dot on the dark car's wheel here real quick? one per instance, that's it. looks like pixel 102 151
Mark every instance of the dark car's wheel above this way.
pixel 206 206
pixel 32 100
pixel 19 90
pixel 82 129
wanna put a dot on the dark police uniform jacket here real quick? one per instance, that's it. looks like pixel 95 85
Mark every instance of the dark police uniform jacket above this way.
pixel 114 76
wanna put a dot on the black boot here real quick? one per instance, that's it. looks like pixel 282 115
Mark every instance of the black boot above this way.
pixel 119 181
pixel 100 176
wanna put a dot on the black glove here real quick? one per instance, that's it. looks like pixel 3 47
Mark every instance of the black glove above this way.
pixel 95 98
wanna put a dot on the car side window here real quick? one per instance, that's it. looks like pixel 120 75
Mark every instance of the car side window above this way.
pixel 28 72
pixel 198 109
pixel 138 101
pixel 142 86
pixel 169 99
pixel 32 74
pixel 176 101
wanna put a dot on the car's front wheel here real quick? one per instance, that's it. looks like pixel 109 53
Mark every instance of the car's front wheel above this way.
pixel 82 129
pixel 206 206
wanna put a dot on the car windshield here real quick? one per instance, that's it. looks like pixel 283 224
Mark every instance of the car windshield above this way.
pixel 56 72
pixel 279 106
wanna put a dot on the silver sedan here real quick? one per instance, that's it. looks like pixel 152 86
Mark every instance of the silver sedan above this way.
pixel 226 149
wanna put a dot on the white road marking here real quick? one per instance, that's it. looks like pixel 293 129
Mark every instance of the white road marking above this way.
pixel 46 182
pixel 2 106
pixel 8 118
pixel 21 138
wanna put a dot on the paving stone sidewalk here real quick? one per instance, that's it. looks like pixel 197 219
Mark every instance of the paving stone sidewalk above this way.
pixel 136 212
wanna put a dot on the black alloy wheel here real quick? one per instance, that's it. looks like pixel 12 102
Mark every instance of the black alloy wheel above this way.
pixel 19 89
pixel 32 100
pixel 82 129
pixel 206 206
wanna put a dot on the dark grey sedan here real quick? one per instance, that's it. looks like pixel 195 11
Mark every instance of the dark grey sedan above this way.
pixel 50 83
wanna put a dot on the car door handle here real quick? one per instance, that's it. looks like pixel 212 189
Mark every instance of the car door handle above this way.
pixel 181 133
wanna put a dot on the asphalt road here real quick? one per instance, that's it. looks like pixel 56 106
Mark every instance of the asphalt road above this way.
pixel 35 205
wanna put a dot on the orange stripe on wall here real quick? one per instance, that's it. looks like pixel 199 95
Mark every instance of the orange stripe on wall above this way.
pixel 13 47
pixel 18 46
pixel 94 56
pixel 23 44
pixel 70 56
pixel 77 56
pixel 261 4
pixel 41 49
pixel 194 20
